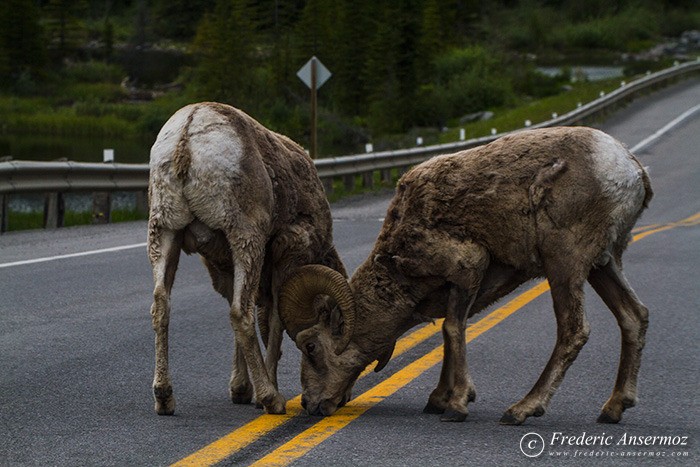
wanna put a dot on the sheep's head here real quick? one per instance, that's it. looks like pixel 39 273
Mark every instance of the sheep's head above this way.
pixel 317 309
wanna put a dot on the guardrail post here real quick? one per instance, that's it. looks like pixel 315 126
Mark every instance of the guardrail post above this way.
pixel 328 185
pixel 4 212
pixel 349 182
pixel 54 211
pixel 142 202
pixel 368 179
pixel 386 175
pixel 101 207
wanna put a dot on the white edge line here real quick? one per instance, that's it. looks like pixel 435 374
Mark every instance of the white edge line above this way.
pixel 72 255
pixel 676 121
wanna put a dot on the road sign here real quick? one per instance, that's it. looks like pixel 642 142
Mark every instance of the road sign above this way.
pixel 313 74
pixel 322 73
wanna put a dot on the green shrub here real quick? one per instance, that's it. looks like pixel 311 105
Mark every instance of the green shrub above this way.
pixel 99 92
pixel 93 72
pixel 613 32
pixel 464 81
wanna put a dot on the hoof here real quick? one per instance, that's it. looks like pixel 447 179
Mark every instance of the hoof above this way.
pixel 241 399
pixel 472 396
pixel 604 417
pixel 510 419
pixel 432 408
pixel 452 415
pixel 243 395
pixel 275 404
pixel 165 402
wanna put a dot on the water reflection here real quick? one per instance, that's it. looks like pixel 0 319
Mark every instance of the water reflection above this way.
pixel 80 149
pixel 589 73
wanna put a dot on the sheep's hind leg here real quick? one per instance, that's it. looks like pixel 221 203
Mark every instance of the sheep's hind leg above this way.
pixel 572 334
pixel 632 317
pixel 164 253
pixel 240 389
pixel 247 269
pixel 273 350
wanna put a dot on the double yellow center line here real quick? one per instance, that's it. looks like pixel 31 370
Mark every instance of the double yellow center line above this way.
pixel 326 427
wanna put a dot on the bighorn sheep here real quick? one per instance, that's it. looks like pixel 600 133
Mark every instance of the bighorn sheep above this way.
pixel 464 230
pixel 250 202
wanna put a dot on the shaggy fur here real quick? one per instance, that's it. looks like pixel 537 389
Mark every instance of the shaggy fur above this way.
pixel 464 230
pixel 250 202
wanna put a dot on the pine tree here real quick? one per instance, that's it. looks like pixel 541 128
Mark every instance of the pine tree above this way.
pixel 351 52
pixel 178 19
pixel 65 26
pixel 314 30
pixel 431 31
pixel 22 43
pixel 224 44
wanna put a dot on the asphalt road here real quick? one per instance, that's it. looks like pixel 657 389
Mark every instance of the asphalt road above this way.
pixel 76 348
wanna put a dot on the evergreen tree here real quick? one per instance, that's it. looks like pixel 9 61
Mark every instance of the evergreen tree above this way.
pixel 178 19
pixel 141 24
pixel 65 25
pixel 431 31
pixel 22 43
pixel 354 31
pixel 225 46
pixel 278 18
pixel 314 30
pixel 380 72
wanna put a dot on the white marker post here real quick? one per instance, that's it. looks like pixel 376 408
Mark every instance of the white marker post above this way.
pixel 108 155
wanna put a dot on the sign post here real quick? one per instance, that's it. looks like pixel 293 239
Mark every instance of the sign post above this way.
pixel 314 75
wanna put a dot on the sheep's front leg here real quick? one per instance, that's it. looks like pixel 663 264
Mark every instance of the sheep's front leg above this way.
pixel 245 283
pixel 164 253
pixel 572 334
pixel 632 317
pixel 455 388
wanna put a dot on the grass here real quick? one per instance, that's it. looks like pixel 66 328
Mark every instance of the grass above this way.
pixel 35 219
pixel 535 111
pixel 339 190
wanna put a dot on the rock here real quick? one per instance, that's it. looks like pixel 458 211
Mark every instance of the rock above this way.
pixel 476 116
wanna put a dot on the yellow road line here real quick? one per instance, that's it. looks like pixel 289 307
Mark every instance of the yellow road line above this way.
pixel 325 428
pixel 688 221
pixel 245 435
pixel 254 430
pixel 312 437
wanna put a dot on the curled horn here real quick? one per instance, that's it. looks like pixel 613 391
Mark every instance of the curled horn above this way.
pixel 297 298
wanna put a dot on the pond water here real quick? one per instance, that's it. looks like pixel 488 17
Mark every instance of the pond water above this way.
pixel 591 73
pixel 30 147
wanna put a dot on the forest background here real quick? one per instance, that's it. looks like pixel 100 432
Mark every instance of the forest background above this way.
pixel 110 68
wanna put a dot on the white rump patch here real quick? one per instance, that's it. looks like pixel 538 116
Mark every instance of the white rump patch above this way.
pixel 621 180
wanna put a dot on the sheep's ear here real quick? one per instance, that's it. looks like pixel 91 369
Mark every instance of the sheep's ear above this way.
pixel 336 322
pixel 385 357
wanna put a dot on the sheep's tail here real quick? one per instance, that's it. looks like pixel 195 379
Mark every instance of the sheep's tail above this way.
pixel 182 159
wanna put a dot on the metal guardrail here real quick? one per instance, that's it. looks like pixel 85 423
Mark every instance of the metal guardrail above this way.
pixel 18 177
